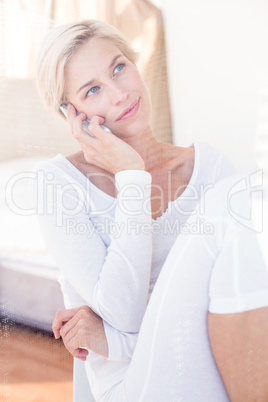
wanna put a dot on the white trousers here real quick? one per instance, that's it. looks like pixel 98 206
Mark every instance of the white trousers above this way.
pixel 220 269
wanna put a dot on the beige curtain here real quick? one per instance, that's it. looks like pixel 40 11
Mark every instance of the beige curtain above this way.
pixel 23 25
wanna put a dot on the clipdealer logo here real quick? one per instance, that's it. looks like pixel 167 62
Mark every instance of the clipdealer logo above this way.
pixel 63 200
pixel 250 212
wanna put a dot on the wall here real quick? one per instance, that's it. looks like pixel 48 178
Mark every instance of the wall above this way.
pixel 218 75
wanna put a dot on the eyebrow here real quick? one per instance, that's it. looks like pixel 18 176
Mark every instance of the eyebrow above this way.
pixel 91 81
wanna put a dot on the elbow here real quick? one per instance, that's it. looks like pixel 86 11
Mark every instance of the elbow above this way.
pixel 125 316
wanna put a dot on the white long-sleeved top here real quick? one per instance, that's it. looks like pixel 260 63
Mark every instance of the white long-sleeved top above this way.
pixel 110 251
pixel 70 227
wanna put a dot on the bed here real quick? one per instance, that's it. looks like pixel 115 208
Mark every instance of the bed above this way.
pixel 29 291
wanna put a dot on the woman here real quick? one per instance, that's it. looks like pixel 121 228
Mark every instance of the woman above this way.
pixel 127 207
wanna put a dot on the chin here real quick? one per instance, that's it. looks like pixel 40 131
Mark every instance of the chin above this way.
pixel 132 130
pixel 133 127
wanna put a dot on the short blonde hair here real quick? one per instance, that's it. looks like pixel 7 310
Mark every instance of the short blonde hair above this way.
pixel 59 46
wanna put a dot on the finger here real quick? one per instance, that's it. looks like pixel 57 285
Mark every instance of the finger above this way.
pixel 73 343
pixel 81 129
pixel 70 328
pixel 70 341
pixel 76 122
pixel 71 112
pixel 95 126
pixel 80 354
pixel 97 120
pixel 85 127
pixel 61 318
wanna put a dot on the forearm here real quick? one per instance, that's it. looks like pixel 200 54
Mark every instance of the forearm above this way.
pixel 121 345
pixel 113 281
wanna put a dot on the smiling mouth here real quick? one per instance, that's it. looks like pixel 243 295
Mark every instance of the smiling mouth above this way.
pixel 130 111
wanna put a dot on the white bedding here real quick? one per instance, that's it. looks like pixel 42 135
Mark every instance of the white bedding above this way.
pixel 29 290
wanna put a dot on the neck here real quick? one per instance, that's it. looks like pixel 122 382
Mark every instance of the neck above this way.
pixel 147 147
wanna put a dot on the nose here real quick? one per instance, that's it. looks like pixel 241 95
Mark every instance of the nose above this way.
pixel 118 94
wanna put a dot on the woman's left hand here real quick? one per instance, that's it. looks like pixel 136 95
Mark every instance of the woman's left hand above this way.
pixel 81 328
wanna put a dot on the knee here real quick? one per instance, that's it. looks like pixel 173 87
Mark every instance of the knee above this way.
pixel 237 198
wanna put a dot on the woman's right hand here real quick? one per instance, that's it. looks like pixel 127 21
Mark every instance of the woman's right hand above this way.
pixel 105 149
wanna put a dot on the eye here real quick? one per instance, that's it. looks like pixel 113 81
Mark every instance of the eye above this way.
pixel 92 91
pixel 119 68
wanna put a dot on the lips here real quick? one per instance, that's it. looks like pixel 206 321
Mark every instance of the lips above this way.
pixel 129 111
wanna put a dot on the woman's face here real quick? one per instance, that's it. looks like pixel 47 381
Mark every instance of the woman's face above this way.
pixel 101 81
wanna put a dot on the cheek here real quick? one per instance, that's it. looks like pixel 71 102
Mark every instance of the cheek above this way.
pixel 148 96
pixel 94 107
pixel 145 92
pixel 147 102
pixel 138 82
pixel 100 110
